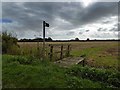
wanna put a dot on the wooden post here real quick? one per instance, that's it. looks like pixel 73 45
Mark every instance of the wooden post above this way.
pixel 43 39
pixel 68 51
pixel 51 52
pixel 38 46
pixel 61 54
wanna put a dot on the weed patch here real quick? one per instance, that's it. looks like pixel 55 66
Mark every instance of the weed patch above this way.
pixel 102 75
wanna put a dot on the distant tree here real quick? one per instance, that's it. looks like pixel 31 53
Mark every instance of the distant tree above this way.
pixel 76 39
pixel 49 39
pixel 88 39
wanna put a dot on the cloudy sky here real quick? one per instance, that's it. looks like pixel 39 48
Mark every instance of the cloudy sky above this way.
pixel 68 20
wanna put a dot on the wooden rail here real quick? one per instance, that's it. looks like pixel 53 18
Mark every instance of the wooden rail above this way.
pixel 61 51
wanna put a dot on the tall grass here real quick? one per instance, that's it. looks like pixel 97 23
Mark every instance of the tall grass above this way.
pixel 41 74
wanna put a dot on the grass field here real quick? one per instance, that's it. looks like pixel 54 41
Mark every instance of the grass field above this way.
pixel 27 71
pixel 98 54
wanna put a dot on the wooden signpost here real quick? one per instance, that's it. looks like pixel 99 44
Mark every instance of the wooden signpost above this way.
pixel 44 25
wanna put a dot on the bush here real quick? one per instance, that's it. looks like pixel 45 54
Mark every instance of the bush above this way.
pixel 8 43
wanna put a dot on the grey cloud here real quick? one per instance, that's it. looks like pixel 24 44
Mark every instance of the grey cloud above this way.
pixel 103 35
pixel 23 18
pixel 80 32
pixel 87 30
pixel 105 29
pixel 106 22
pixel 95 12
pixel 101 29
pixel 116 25
pixel 70 33
pixel 114 29
pixel 28 16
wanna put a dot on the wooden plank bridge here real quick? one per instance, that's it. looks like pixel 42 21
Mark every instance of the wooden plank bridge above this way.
pixel 69 61
pixel 64 59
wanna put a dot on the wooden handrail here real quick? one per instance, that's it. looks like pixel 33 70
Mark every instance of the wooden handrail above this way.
pixel 67 51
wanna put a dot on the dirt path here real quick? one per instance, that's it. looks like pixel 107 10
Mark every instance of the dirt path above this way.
pixel 67 62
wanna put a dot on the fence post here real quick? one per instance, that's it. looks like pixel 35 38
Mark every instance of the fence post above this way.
pixel 51 52
pixel 38 46
pixel 68 51
pixel 61 54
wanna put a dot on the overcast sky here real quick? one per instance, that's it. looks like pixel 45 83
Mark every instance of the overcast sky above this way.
pixel 68 20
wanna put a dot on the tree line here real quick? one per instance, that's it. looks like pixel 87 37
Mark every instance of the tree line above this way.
pixel 49 39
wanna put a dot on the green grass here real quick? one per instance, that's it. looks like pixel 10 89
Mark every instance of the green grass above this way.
pixel 96 54
pixel 27 71
pixel 37 74
pixel 40 74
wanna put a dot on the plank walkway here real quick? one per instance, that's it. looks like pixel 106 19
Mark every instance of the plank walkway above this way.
pixel 67 62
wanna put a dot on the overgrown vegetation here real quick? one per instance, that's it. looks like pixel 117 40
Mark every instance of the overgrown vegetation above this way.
pixel 109 77
pixel 44 74
pixel 9 43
